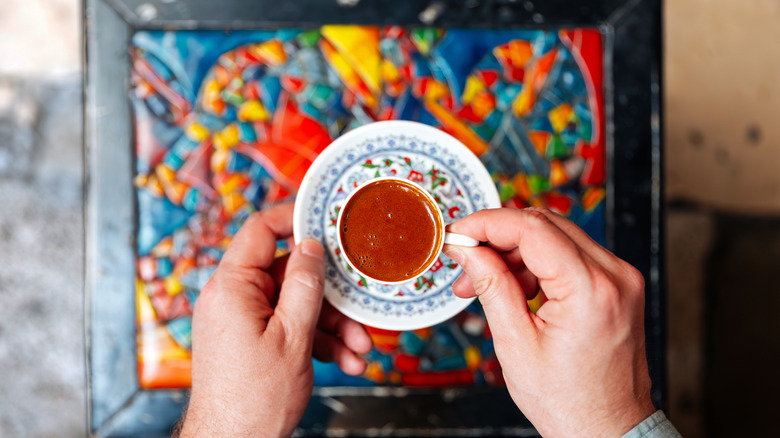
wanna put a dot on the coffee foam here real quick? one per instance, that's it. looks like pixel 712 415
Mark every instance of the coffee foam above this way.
pixel 390 231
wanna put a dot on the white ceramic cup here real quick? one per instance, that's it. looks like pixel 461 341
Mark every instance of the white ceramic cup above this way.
pixel 449 238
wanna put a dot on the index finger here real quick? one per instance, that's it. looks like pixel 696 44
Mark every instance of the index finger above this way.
pixel 254 246
pixel 544 248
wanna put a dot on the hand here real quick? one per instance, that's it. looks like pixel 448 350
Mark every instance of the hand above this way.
pixel 255 326
pixel 577 367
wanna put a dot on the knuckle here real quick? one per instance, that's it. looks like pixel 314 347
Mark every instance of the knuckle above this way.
pixel 633 278
pixel 491 288
pixel 607 299
pixel 463 261
pixel 254 219
pixel 605 285
pixel 543 210
pixel 210 290
pixel 308 279
pixel 208 298
pixel 487 283
pixel 537 217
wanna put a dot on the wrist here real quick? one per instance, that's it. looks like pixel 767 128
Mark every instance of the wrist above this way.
pixel 215 420
pixel 595 421
pixel 618 422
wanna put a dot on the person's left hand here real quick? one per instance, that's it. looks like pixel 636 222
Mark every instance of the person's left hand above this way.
pixel 255 326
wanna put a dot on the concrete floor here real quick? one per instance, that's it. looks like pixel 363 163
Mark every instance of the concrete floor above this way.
pixel 723 240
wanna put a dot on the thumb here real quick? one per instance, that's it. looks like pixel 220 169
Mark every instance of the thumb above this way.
pixel 498 290
pixel 300 297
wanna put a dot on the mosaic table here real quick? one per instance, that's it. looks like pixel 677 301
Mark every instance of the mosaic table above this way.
pixel 198 116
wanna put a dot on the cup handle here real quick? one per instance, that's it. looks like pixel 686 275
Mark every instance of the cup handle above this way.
pixel 459 240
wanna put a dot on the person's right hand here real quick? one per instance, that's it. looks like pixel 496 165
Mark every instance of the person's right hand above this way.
pixel 577 367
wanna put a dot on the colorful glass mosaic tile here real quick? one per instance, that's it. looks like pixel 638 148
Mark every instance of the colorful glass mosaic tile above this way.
pixel 228 123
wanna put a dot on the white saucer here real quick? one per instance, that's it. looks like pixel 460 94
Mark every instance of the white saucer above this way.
pixel 421 153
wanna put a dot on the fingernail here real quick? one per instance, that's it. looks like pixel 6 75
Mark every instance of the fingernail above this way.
pixel 454 253
pixel 312 247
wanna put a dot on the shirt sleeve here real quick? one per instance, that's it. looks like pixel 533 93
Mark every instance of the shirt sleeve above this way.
pixel 654 426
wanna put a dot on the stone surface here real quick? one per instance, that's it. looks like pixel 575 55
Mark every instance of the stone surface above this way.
pixel 19 118
pixel 42 386
pixel 42 383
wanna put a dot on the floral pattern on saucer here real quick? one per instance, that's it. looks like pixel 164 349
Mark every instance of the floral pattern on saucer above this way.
pixel 436 169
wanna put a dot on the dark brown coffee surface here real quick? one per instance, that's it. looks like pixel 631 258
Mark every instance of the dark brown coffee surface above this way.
pixel 389 230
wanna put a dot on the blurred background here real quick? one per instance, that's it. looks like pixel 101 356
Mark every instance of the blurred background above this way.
pixel 722 156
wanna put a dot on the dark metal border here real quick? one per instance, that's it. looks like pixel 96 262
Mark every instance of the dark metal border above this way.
pixel 632 96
